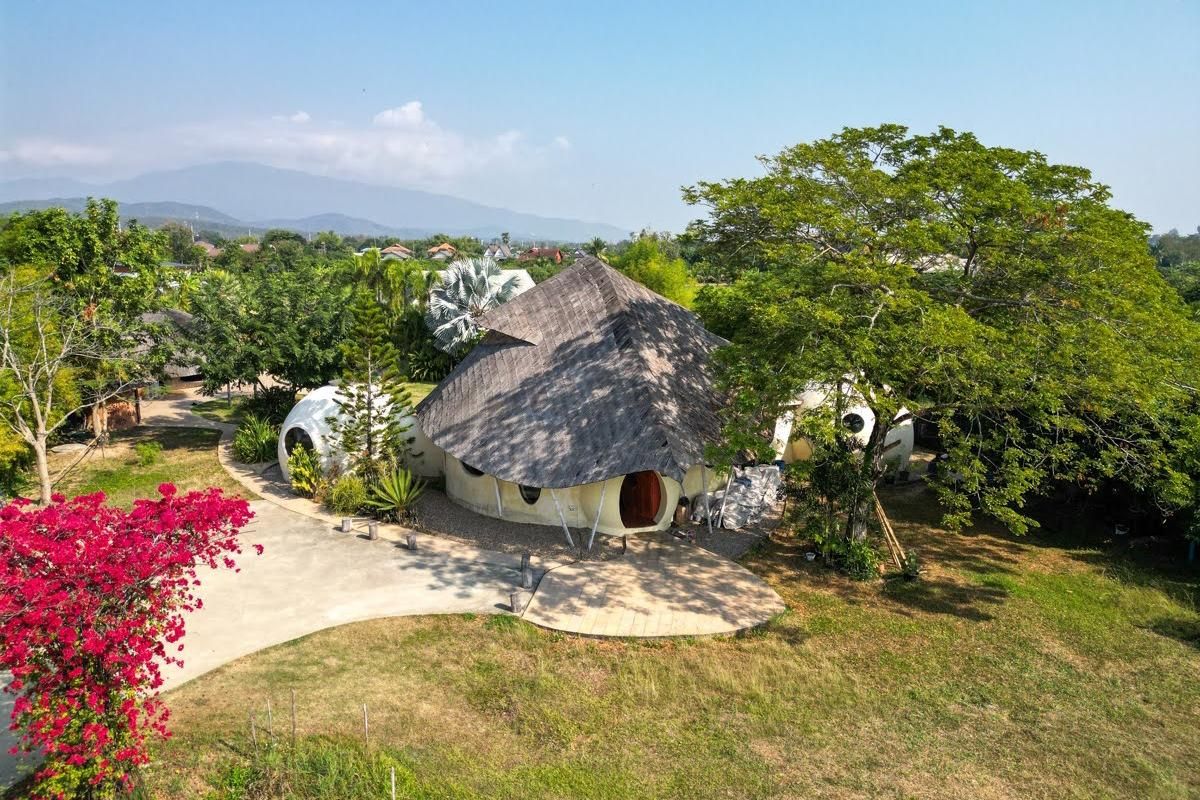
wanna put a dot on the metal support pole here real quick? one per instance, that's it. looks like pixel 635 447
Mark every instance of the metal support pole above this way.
pixel 599 508
pixel 725 497
pixel 704 488
pixel 562 519
pixel 499 505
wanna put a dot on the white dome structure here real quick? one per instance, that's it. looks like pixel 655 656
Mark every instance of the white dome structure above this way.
pixel 307 424
pixel 857 417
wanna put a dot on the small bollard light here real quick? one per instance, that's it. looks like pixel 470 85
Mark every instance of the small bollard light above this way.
pixel 525 561
pixel 516 602
pixel 347 524
pixel 411 540
pixel 372 530
pixel 526 578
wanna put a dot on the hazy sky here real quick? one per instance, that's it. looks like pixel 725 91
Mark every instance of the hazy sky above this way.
pixel 598 111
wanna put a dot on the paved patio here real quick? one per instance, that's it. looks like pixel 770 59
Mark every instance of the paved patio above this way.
pixel 661 587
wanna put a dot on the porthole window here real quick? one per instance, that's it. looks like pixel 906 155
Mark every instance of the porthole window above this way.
pixel 297 436
pixel 854 423
pixel 530 494
pixel 471 470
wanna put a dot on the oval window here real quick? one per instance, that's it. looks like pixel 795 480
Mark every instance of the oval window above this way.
pixel 471 470
pixel 530 494
pixel 854 423
pixel 297 436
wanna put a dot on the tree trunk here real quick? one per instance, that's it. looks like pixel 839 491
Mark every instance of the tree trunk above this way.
pixel 863 506
pixel 43 470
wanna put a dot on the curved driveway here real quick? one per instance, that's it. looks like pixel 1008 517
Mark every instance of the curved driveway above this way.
pixel 311 576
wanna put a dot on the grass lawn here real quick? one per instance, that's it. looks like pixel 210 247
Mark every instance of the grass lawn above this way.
pixel 188 459
pixel 1013 669
pixel 220 410
pixel 420 391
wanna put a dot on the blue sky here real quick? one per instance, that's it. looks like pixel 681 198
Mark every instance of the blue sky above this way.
pixel 599 111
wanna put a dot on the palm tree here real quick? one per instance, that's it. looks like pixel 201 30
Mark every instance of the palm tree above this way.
pixel 469 288
pixel 595 247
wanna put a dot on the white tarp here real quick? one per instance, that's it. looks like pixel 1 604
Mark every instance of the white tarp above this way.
pixel 750 492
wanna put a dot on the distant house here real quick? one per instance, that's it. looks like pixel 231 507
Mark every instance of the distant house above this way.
pixel 442 252
pixel 210 249
pixel 395 251
pixel 251 247
pixel 552 253
pixel 498 251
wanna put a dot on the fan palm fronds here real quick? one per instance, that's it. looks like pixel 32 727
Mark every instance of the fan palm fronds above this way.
pixel 470 288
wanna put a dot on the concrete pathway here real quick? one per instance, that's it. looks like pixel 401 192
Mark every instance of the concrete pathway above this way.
pixel 661 587
pixel 311 576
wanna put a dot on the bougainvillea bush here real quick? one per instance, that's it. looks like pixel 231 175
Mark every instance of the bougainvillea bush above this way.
pixel 92 604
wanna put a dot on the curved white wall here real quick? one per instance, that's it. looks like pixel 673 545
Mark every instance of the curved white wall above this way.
pixel 579 503
pixel 311 414
pixel 899 439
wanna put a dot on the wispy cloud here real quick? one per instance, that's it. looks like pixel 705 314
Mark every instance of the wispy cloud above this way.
pixel 53 153
pixel 399 145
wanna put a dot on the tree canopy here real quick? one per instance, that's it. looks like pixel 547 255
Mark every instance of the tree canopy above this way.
pixel 980 287
pixel 649 261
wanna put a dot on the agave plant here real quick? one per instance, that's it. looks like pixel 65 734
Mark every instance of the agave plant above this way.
pixel 394 494
pixel 469 289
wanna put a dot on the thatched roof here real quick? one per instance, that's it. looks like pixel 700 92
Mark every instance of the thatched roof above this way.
pixel 584 377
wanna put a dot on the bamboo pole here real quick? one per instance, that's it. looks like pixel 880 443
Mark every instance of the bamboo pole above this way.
pixel 499 505
pixel 704 488
pixel 725 497
pixel 889 535
pixel 562 519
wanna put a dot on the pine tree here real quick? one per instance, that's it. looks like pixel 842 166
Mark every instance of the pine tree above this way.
pixel 374 399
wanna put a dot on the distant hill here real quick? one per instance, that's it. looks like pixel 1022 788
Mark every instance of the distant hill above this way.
pixel 258 196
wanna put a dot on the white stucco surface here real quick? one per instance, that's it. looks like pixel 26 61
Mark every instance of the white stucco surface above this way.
pixel 312 415
pixel 816 399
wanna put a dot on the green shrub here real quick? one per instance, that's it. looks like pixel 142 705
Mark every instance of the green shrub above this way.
pixel 255 441
pixel 394 495
pixel 348 495
pixel 912 565
pixel 859 559
pixel 272 403
pixel 147 453
pixel 304 470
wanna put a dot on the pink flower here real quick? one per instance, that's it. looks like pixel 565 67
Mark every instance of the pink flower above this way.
pixel 88 595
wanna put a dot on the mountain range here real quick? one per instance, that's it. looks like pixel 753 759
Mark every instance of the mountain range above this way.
pixel 237 196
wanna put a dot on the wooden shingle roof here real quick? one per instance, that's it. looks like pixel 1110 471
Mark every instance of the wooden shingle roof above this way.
pixel 584 377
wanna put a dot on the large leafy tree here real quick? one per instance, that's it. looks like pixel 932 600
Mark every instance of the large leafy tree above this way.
pixel 981 287
pixel 649 260
pixel 75 289
pixel 287 323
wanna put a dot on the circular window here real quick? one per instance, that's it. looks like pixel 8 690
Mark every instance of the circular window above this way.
pixel 297 436
pixel 471 470
pixel 854 423
pixel 530 494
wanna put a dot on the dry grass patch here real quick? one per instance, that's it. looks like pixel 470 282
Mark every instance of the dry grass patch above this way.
pixel 1013 669
pixel 188 459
